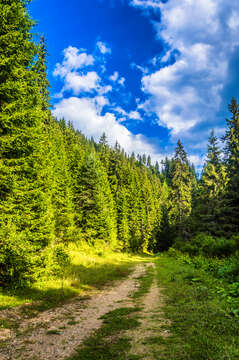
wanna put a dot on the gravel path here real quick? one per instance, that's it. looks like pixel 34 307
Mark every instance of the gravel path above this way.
pixel 54 334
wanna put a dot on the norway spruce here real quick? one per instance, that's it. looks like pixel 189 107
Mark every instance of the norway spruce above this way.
pixel 231 151
pixel 212 186
pixel 96 207
pixel 181 191
pixel 25 211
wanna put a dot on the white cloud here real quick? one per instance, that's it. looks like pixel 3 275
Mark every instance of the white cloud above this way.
pixel 76 76
pixel 146 3
pixel 81 83
pixel 73 59
pixel 233 21
pixel 102 46
pixel 144 70
pixel 197 160
pixel 115 76
pixel 101 101
pixel 135 115
pixel 104 89
pixel 86 115
pixel 121 81
pixel 86 112
pixel 187 93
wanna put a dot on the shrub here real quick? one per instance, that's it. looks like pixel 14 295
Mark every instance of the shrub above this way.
pixel 229 270
pixel 207 245
pixel 173 252
pixel 17 260
pixel 56 260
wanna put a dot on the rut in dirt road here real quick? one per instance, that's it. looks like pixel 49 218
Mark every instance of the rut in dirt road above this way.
pixel 54 334
pixel 152 320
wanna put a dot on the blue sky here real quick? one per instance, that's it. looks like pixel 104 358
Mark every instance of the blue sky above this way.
pixel 146 72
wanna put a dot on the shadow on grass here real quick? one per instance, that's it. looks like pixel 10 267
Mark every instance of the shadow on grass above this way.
pixel 99 275
pixel 52 292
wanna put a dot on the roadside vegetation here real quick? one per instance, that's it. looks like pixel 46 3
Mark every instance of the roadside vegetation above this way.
pixel 85 271
pixel 201 300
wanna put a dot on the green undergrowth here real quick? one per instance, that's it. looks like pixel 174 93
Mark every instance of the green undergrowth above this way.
pixel 110 341
pixel 202 326
pixel 145 282
pixel 88 270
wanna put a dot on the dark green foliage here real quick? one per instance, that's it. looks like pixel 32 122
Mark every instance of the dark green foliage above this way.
pixel 180 196
pixel 16 257
pixel 97 213
pixel 231 151
pixel 25 196
pixel 43 84
pixel 61 183
pixel 207 245
pixel 208 207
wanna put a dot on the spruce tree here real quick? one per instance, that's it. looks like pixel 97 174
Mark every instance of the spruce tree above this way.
pixel 209 201
pixel 41 70
pixel 25 197
pixel 181 191
pixel 61 183
pixel 157 169
pixel 164 234
pixel 123 229
pixel 231 151
pixel 97 213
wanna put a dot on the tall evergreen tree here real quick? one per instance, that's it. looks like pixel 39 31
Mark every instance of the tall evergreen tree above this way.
pixel 181 191
pixel 61 183
pixel 97 213
pixel 164 235
pixel 41 70
pixel 25 197
pixel 212 185
pixel 231 151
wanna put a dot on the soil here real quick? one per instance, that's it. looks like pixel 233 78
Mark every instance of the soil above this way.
pixel 55 334
pixel 152 320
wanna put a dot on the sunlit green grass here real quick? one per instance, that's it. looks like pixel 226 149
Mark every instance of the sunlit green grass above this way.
pixel 89 270
pixel 201 326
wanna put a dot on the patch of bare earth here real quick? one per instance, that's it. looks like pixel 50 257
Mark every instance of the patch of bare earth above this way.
pixel 152 325
pixel 55 334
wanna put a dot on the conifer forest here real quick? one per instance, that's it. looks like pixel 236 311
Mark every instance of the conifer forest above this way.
pixel 60 189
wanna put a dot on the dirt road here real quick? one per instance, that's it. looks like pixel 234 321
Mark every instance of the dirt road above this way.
pixel 55 334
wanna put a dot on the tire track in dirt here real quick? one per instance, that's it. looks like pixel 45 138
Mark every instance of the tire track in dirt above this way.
pixel 152 320
pixel 55 334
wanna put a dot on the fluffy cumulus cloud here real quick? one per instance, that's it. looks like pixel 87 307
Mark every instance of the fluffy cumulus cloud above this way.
pixel 85 101
pixel 81 83
pixel 86 115
pixel 75 73
pixel 186 94
pixel 74 59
